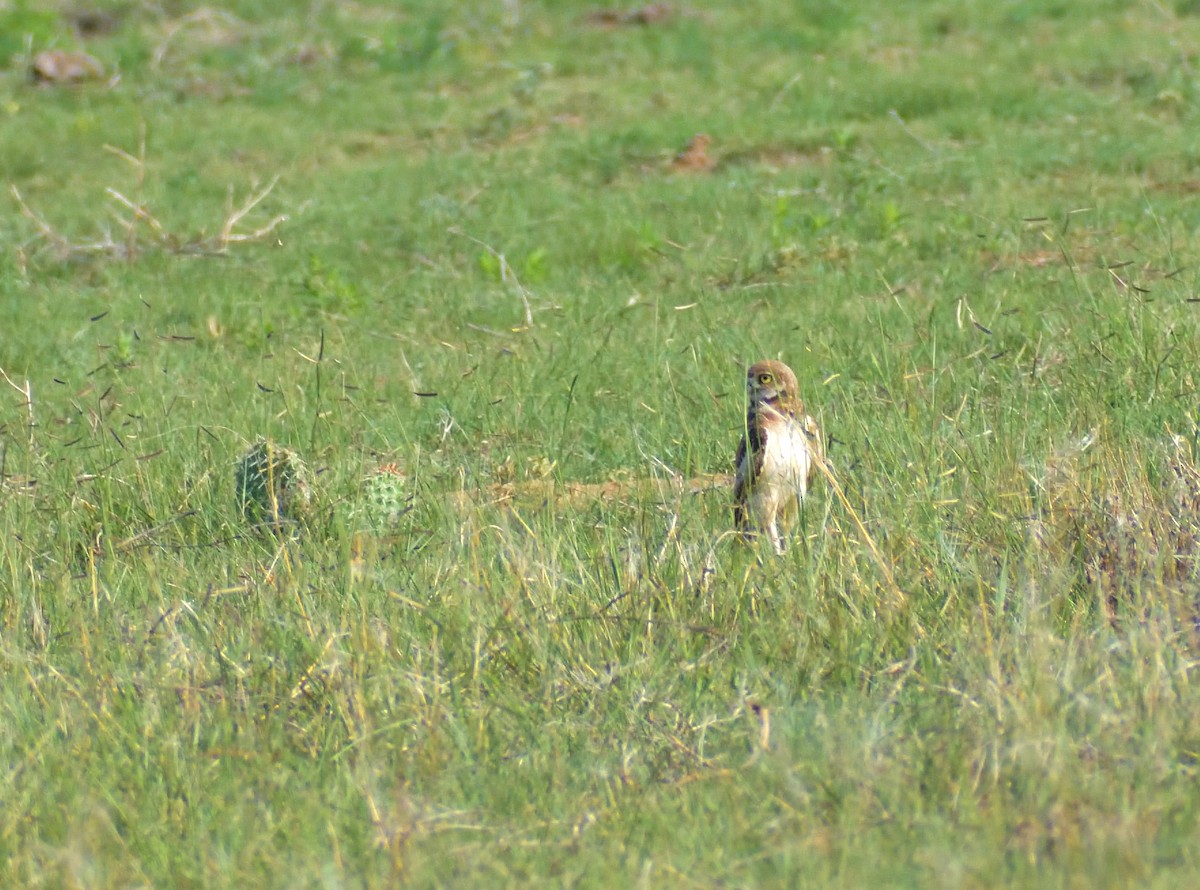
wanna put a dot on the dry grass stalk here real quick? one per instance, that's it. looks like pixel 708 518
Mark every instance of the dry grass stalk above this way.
pixel 574 494
pixel 27 392
pixel 898 597
pixel 506 273
pixel 217 27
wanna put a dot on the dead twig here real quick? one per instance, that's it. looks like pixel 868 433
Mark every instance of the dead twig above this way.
pixel 141 217
pixel 233 217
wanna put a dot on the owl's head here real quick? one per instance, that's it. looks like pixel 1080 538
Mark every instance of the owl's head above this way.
pixel 771 381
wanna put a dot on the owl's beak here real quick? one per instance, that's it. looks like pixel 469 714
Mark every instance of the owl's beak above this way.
pixel 763 393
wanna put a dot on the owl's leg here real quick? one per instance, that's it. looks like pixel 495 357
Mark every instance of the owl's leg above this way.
pixel 775 536
pixel 741 521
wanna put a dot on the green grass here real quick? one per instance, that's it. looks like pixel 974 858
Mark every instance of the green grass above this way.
pixel 970 227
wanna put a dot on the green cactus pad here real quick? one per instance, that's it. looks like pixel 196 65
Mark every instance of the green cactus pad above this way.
pixel 272 483
pixel 385 497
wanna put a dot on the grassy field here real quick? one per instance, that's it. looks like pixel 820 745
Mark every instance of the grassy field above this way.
pixel 455 237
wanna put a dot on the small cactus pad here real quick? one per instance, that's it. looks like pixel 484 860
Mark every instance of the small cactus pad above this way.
pixel 272 483
pixel 385 498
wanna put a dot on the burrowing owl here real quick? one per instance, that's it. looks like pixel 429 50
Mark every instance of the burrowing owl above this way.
pixel 777 456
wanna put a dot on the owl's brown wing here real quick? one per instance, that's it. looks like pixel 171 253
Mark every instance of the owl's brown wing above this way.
pixel 747 467
pixel 739 487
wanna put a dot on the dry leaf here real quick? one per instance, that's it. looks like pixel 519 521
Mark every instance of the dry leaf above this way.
pixel 694 158
pixel 60 66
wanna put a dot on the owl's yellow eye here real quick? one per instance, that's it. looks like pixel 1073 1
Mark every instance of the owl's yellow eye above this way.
pixel 764 379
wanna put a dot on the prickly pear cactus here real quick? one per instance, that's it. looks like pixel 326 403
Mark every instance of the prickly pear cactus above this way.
pixel 272 483
pixel 385 497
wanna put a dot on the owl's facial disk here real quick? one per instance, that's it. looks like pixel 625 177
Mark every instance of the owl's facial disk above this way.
pixel 763 387
pixel 769 382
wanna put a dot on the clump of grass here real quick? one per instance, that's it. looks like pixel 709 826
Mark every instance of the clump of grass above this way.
pixel 1130 520
pixel 545 659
